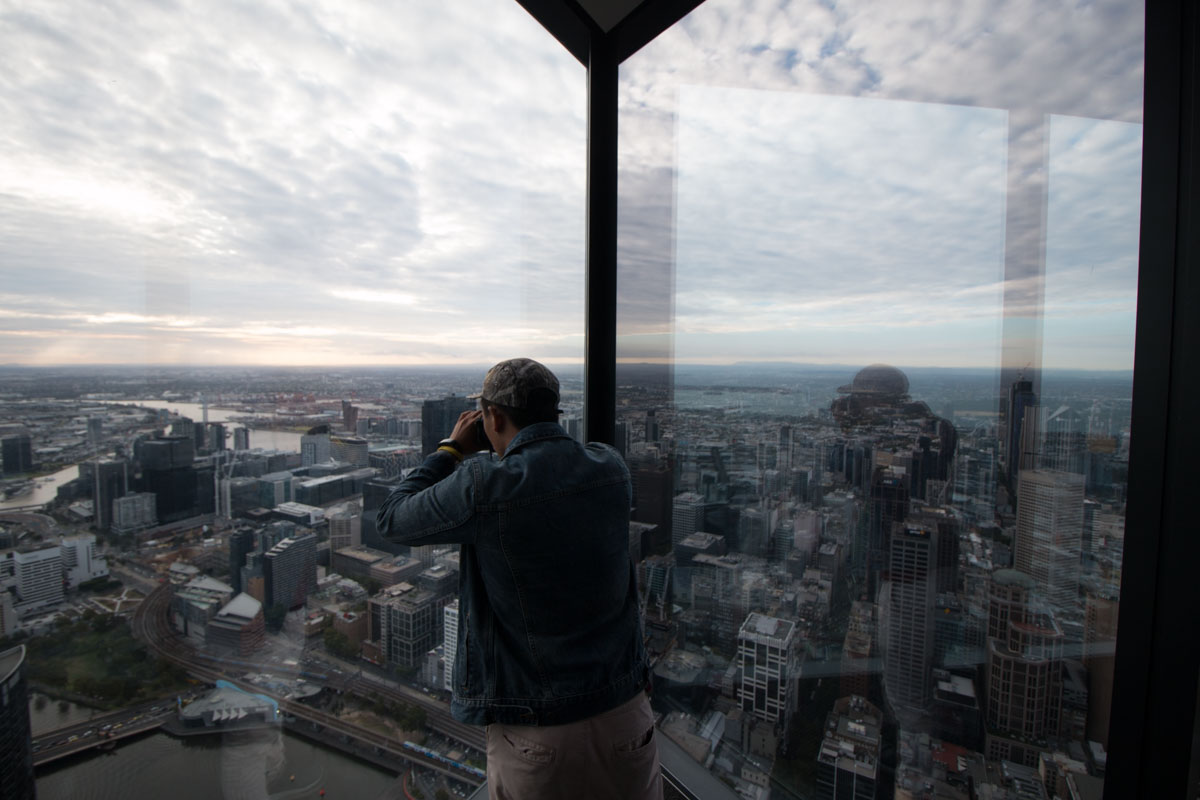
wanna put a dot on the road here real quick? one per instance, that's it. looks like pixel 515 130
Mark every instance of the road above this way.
pixel 151 627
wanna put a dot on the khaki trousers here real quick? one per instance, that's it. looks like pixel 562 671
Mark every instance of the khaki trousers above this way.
pixel 611 756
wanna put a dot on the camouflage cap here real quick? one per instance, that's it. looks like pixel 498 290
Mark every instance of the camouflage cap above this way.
pixel 513 382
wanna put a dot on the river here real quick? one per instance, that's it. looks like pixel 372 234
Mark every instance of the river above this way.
pixel 253 765
pixel 46 487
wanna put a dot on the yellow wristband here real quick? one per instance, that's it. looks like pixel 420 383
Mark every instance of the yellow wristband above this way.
pixel 448 449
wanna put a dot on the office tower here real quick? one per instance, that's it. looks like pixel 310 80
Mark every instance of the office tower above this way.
pixel 134 512
pixel 95 427
pixel 374 493
pixel 314 448
pixel 653 482
pixel 216 437
pixel 767 656
pixel 16 453
pixel 653 431
pixel 167 472
pixel 889 505
pixel 290 571
pixel 438 418
pixel 107 481
pixel 1020 397
pixel 908 617
pixel 783 459
pixel 1064 442
pixel 753 532
pixel 345 530
pixel 408 623
pixel 241 439
pixel 620 438
pixel 687 516
pixel 1024 670
pixel 80 560
pixel 349 416
pixel 349 450
pixel 717 594
pixel 848 761
pixel 1049 537
pixel 449 641
pixel 16 744
pixel 275 488
pixel 1099 647
pixel 947 526
pixel 241 542
pixel 656 585
pixel 39 575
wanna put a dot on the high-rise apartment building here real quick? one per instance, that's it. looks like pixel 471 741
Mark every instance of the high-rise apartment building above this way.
pixel 1024 670
pixel 1049 537
pixel 16 745
pixel 290 571
pixel 438 418
pixel 767 658
pixel 907 620
pixel 450 641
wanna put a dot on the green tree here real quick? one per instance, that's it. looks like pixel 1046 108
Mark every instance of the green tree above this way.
pixel 442 794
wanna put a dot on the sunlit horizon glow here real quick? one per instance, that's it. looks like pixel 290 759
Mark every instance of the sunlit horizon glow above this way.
pixel 405 186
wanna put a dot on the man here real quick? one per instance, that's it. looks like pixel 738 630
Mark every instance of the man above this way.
pixel 550 655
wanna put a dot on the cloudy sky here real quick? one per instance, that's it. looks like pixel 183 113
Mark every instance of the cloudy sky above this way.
pixel 365 183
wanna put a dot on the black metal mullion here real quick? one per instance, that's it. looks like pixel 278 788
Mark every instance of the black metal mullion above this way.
pixel 1157 656
pixel 600 359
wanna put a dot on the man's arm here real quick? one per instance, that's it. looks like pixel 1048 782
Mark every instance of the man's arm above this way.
pixel 435 504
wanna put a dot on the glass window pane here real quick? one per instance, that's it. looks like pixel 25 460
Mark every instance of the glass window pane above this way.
pixel 251 254
pixel 878 273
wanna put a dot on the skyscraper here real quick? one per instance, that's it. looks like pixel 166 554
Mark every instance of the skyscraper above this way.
pixel 848 761
pixel 16 453
pixel 241 542
pixel 1024 670
pixel 450 641
pixel 909 629
pixel 290 571
pixel 438 418
pixel 1049 538
pixel 16 746
pixel 767 655
pixel 314 446
pixel 1020 397
pixel 687 516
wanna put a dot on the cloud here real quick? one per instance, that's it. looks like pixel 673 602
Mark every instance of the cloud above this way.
pixel 275 162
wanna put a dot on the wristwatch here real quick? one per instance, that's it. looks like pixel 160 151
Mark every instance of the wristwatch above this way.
pixel 452 447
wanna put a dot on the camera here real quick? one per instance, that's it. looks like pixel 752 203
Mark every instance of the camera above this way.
pixel 481 437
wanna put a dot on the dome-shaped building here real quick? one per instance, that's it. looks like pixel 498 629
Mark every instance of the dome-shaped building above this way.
pixel 878 381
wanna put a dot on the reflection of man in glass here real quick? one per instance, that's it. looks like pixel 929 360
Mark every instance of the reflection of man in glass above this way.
pixel 550 653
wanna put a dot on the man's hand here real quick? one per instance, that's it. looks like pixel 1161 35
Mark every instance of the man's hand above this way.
pixel 464 433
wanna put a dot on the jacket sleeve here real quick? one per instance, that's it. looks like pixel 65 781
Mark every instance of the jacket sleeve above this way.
pixel 434 505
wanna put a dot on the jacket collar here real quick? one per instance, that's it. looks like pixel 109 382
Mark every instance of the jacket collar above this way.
pixel 536 432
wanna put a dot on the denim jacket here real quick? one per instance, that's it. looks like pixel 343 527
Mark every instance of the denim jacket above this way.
pixel 549 629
